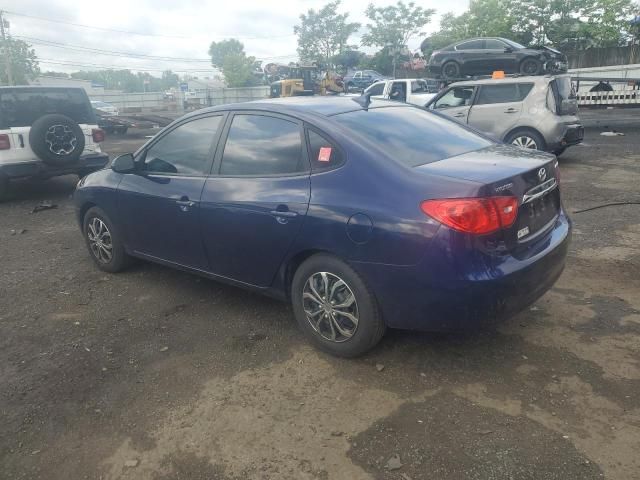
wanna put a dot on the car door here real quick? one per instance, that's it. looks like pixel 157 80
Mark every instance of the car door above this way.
pixel 472 56
pixel 160 203
pixel 498 55
pixel 498 107
pixel 254 203
pixel 455 102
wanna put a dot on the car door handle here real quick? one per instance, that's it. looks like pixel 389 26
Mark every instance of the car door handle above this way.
pixel 284 213
pixel 511 110
pixel 185 203
pixel 460 115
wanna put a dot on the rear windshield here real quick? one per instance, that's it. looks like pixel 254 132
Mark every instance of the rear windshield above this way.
pixel 20 108
pixel 411 135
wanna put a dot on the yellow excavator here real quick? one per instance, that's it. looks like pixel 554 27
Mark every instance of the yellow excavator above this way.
pixel 304 80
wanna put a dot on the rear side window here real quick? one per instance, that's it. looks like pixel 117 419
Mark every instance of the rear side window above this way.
pixel 419 86
pixel 186 150
pixel 262 145
pixel 504 93
pixel 20 108
pixel 323 153
pixel 410 135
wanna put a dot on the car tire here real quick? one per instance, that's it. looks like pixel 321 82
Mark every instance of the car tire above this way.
pixel 348 87
pixel 108 251
pixel 530 66
pixel 451 70
pixel 344 283
pixel 527 139
pixel 56 139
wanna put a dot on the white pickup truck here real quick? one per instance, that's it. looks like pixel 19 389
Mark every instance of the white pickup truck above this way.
pixel 409 90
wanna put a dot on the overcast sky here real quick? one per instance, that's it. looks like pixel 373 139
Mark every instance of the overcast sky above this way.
pixel 175 28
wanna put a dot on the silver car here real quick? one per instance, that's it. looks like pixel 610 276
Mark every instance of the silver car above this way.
pixel 537 112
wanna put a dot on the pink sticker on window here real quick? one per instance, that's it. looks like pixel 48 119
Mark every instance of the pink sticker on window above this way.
pixel 324 154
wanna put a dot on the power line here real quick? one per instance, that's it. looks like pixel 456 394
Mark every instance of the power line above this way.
pixel 66 46
pixel 119 67
pixel 128 32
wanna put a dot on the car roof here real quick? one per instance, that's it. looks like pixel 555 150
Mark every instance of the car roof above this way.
pixel 313 105
pixel 494 81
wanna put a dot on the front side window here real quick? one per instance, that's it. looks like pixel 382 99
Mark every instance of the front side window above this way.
pixel 323 153
pixel 185 150
pixel 472 45
pixel 456 97
pixel 514 92
pixel 376 89
pixel 262 145
pixel 492 44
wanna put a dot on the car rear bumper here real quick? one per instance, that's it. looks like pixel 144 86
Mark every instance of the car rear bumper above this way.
pixel 446 294
pixel 572 135
pixel 37 168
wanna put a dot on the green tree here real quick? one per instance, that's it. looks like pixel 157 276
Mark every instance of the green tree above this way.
pixel 169 79
pixel 218 51
pixel 324 33
pixel 348 59
pixel 24 63
pixel 393 26
pixel 237 69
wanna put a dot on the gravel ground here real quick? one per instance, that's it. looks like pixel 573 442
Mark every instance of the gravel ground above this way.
pixel 157 374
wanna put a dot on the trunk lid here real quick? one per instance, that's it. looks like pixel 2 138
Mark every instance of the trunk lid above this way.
pixel 530 176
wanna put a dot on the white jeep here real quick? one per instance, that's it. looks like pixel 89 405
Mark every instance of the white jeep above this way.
pixel 46 132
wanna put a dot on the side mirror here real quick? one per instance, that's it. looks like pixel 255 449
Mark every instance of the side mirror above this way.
pixel 124 164
pixel 508 49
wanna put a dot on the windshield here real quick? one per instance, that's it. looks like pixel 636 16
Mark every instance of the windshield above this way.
pixel 411 135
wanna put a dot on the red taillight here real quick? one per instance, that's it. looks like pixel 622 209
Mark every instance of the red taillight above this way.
pixel 98 135
pixel 5 144
pixel 473 215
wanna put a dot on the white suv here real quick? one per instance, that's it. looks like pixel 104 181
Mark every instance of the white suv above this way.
pixel 45 132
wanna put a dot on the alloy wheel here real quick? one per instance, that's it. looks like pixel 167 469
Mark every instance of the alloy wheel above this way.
pixel 524 141
pixel 60 139
pixel 330 307
pixel 100 240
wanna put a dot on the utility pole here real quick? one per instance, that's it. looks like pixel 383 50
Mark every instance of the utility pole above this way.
pixel 7 51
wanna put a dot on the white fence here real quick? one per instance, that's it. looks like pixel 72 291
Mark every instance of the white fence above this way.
pixel 156 101
pixel 145 101
pixel 616 97
pixel 221 96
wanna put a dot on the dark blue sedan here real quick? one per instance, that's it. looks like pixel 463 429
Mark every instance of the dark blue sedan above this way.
pixel 363 216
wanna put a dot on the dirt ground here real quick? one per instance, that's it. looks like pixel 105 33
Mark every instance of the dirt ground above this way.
pixel 157 374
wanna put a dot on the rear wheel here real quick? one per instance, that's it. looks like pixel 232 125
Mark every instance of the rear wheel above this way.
pixel 451 70
pixel 526 139
pixel 335 308
pixel 530 66
pixel 104 241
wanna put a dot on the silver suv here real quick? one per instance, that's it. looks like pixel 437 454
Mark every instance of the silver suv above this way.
pixel 537 112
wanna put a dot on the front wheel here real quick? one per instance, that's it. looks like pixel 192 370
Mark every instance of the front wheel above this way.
pixel 335 308
pixel 104 241
pixel 530 66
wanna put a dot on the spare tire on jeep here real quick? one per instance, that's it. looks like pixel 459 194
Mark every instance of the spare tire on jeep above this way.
pixel 56 139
